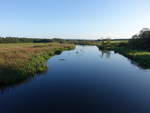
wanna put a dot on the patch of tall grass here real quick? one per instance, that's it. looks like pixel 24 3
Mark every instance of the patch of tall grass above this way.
pixel 21 61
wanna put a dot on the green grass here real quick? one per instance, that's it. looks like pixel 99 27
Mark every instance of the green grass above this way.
pixel 19 62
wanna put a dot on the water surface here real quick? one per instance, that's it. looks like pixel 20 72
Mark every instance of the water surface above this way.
pixel 83 80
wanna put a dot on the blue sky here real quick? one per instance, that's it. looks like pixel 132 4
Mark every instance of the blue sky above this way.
pixel 86 19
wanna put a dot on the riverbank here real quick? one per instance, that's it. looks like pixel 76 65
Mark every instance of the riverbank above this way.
pixel 140 57
pixel 20 61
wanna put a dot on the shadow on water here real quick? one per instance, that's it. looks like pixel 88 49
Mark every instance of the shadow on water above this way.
pixel 137 64
pixel 8 79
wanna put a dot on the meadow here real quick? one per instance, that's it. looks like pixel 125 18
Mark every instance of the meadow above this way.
pixel 19 61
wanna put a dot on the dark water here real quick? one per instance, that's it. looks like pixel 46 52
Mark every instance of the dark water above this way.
pixel 84 80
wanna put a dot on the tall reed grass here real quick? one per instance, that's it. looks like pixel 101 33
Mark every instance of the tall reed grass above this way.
pixel 21 61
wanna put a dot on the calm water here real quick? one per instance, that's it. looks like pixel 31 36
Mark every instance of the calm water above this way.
pixel 84 80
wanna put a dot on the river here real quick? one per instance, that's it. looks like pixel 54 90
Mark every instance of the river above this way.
pixel 83 80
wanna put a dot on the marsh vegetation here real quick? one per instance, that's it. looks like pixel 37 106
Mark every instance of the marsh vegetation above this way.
pixel 20 61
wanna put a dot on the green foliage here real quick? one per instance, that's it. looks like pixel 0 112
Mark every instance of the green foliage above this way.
pixel 108 44
pixel 18 40
pixel 28 40
pixel 141 41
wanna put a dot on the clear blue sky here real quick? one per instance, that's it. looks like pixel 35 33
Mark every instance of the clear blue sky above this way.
pixel 87 19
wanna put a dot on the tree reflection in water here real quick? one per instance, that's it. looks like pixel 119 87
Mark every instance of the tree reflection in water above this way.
pixel 105 53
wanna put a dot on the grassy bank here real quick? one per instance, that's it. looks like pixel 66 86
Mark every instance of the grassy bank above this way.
pixel 20 61
pixel 140 57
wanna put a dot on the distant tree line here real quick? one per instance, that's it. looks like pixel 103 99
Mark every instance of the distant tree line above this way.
pixel 22 40
pixel 37 40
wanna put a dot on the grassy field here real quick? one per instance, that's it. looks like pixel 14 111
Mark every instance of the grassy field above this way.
pixel 20 61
